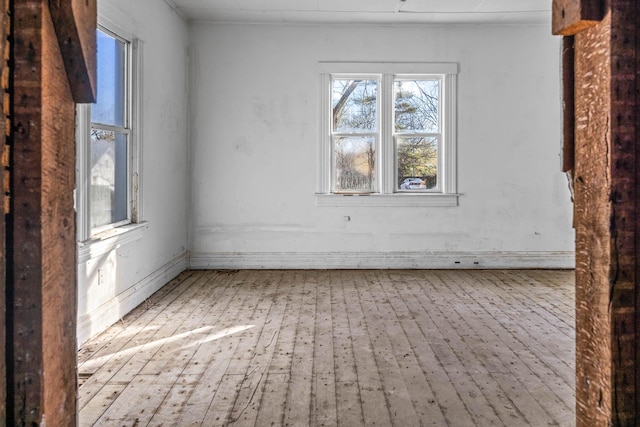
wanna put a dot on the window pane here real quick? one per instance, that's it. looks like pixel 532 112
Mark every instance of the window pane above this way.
pixel 354 164
pixel 417 160
pixel 353 104
pixel 417 105
pixel 108 177
pixel 109 108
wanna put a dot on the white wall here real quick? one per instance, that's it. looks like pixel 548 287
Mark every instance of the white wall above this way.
pixel 254 132
pixel 130 272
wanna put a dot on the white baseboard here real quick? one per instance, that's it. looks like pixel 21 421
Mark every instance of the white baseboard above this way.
pixel 383 260
pixel 111 311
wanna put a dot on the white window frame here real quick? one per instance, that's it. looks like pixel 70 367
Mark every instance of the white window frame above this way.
pixel 114 234
pixel 386 171
pixel 375 134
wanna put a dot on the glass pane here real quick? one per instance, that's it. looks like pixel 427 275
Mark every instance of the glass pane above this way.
pixel 108 198
pixel 355 159
pixel 109 108
pixel 417 105
pixel 354 105
pixel 417 163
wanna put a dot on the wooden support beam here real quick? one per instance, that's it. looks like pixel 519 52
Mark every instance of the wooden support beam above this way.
pixel 75 25
pixel 41 238
pixel 568 107
pixel 572 16
pixel 592 216
pixel 4 165
pixel 25 249
pixel 606 182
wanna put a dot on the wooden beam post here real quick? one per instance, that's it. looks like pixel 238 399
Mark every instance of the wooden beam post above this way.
pixel 568 104
pixel 75 25
pixel 41 285
pixel 607 202
pixel 572 16
pixel 4 165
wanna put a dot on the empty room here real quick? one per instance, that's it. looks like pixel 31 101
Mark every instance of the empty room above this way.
pixel 236 106
pixel 320 212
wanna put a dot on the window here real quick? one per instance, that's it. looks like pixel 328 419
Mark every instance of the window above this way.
pixel 110 131
pixel 108 163
pixel 354 134
pixel 416 132
pixel 388 132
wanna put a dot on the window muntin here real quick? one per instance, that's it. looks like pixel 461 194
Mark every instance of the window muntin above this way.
pixel 110 189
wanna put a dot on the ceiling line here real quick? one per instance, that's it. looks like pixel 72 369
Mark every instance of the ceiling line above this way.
pixel 497 12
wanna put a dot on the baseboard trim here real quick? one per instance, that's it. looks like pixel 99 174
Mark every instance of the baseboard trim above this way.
pixel 113 310
pixel 382 260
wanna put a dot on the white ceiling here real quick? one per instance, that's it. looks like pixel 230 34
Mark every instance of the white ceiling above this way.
pixel 367 11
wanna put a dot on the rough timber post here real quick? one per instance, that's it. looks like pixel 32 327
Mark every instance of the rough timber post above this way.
pixel 4 204
pixel 606 179
pixel 41 246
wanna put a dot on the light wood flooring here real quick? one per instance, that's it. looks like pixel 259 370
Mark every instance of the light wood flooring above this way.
pixel 351 348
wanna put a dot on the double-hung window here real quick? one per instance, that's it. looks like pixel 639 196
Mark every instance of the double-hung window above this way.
pixel 110 134
pixel 107 148
pixel 388 131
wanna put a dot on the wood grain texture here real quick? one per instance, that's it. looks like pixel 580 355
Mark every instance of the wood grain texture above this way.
pixel 58 240
pixel 43 292
pixel 75 24
pixel 592 186
pixel 402 348
pixel 607 230
pixel 568 104
pixel 26 279
pixel 569 17
pixel 624 282
pixel 4 168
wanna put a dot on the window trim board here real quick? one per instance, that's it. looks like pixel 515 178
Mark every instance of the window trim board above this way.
pixel 396 68
pixel 387 200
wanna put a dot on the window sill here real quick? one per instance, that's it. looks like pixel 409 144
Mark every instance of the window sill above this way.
pixel 387 200
pixel 107 241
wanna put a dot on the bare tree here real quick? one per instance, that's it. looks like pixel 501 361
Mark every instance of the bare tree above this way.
pixel 338 109
pixel 354 110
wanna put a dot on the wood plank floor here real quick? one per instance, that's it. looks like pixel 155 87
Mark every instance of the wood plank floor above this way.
pixel 296 348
